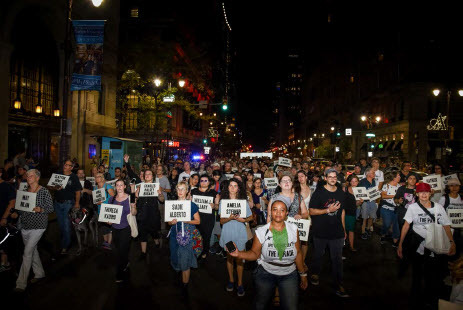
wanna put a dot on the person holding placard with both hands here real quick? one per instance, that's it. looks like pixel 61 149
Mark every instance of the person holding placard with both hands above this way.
pixel 122 231
pixel 182 258
pixel 33 225
pixel 234 229
pixel 277 249
pixel 109 192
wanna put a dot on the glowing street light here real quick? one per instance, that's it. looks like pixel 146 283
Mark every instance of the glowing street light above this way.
pixel 460 92
pixel 378 119
pixel 363 118
pixel 97 3
pixel 436 92
pixel 157 82
pixel 181 83
pixel 332 128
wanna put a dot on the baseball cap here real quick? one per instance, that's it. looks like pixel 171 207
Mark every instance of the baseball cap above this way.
pixel 423 187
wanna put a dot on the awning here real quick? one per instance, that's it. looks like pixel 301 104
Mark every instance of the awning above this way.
pixel 398 145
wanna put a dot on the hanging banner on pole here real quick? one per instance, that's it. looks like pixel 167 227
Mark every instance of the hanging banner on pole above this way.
pixel 88 63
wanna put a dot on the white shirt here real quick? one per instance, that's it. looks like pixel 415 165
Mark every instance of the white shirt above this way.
pixel 455 204
pixel 420 219
pixel 390 190
pixel 270 254
pixel 379 176
pixel 184 176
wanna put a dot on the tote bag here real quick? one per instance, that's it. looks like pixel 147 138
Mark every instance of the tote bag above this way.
pixel 436 239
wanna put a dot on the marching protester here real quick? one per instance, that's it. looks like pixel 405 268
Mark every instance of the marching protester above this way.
pixel 234 229
pixel 368 207
pixel 122 231
pixel 193 182
pixel 33 225
pixel 405 172
pixel 276 247
pixel 65 199
pixel 426 265
pixel 301 187
pixel 351 209
pixel 173 180
pixel 109 192
pixel 405 196
pixel 437 169
pixel 328 229
pixel 453 201
pixel 187 172
pixel 207 220
pixel 388 207
pixel 164 187
pixel 182 255
pixel 7 202
pixel 259 200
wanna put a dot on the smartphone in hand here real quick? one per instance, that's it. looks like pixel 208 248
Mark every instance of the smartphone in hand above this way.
pixel 230 247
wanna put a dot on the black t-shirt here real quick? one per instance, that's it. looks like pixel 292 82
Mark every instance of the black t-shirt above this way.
pixel 403 177
pixel 69 192
pixel 351 204
pixel 7 193
pixel 407 194
pixel 327 226
pixel 209 193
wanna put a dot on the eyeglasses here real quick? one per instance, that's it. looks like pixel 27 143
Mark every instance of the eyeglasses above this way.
pixel 204 181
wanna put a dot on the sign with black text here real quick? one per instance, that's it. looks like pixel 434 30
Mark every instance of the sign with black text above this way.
pixel 23 186
pixel 285 162
pixel 58 180
pixel 112 182
pixel 271 183
pixel 434 180
pixel 177 209
pixel 204 203
pixel 99 195
pixel 149 190
pixel 303 227
pixel 232 206
pixel 448 177
pixel 456 217
pixel 25 201
pixel 110 213
pixel 360 193
pixel 373 193
pixel 229 175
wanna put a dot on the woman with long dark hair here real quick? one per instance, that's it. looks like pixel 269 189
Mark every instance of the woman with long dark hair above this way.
pixel 173 180
pixel 351 209
pixel 234 229
pixel 259 199
pixel 301 187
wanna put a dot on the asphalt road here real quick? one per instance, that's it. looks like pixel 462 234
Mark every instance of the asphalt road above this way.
pixel 86 281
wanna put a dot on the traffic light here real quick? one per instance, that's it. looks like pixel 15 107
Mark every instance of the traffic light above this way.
pixel 205 141
pixel 224 107
pixel 338 134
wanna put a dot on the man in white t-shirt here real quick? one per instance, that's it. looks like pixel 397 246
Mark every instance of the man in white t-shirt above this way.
pixel 379 175
pixel 185 175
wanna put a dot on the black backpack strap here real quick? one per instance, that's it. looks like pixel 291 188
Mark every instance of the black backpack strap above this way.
pixel 447 201
pixel 427 211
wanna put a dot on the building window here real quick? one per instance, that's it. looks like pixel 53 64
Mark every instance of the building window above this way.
pixel 134 13
pixel 132 112
pixel 101 101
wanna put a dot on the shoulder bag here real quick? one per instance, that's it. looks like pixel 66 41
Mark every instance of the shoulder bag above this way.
pixel 436 239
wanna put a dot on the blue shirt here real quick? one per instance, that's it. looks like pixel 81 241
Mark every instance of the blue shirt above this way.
pixel 364 183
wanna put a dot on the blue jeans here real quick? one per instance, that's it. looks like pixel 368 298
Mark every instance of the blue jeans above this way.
pixel 288 288
pixel 62 211
pixel 390 218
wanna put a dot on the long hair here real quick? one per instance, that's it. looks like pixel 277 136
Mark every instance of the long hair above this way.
pixel 225 194
pixel 390 176
pixel 297 184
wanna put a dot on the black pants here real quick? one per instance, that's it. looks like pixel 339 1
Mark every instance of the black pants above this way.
pixel 205 228
pixel 121 240
pixel 335 246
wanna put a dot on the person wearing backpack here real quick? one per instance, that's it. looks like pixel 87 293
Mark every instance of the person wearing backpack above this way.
pixel 425 264
pixel 182 254
pixel 453 201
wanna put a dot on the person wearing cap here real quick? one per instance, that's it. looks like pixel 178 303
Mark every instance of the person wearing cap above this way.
pixel 453 201
pixel 327 212
pixel 425 264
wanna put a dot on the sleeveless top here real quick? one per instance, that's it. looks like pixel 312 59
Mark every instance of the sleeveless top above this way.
pixel 293 206
pixel 270 254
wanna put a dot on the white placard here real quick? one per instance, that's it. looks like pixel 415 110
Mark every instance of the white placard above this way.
pixel 373 193
pixel 23 186
pixel 112 182
pixel 275 163
pixel 177 209
pixel 271 183
pixel 58 180
pixel 360 193
pixel 348 131
pixel 434 180
pixel 258 155
pixel 92 180
pixel 257 175
pixel 25 201
pixel 232 206
pixel 149 190
pixel 99 195
pixel 229 175
pixel 285 162
pixel 110 213
pixel 204 203
pixel 207 149
pixel 446 178
pixel 360 176
pixel 303 227
pixel 456 217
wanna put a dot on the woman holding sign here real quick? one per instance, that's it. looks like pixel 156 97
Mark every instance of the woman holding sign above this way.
pixel 277 249
pixel 234 229
pixel 109 192
pixel 122 231
pixel 388 207
pixel 207 218
pixel 182 255
pixel 351 209
pixel 34 222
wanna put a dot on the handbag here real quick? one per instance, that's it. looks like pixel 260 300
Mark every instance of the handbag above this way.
pixel 436 239
pixel 133 225
pixel 183 239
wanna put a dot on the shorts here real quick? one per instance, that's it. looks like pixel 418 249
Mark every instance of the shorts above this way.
pixel 105 229
pixel 350 222
pixel 145 229
pixel 369 210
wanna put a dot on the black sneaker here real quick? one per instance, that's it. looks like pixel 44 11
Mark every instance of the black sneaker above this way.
pixel 382 240
pixel 365 236
pixel 341 292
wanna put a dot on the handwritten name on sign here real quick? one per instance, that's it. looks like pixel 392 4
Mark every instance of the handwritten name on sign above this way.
pixel 451 176
pixel 23 186
pixel 110 213
pixel 25 201
pixel 373 193
pixel 257 176
pixel 99 195
pixel 271 183
pixel 204 203
pixel 285 162
pixel 58 180
pixel 232 206
pixel 149 189
pixel 456 217
pixel 303 227
pixel 259 155
pixel 177 209
pixel 434 180
pixel 360 193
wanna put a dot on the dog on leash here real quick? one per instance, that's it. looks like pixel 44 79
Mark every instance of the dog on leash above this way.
pixel 83 220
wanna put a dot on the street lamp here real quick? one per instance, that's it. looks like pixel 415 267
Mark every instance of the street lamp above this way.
pixel 38 108
pixel 157 82
pixel 181 83
pixel 436 92
pixel 56 112
pixel 378 119
pixel 363 118
pixel 332 128
pixel 17 104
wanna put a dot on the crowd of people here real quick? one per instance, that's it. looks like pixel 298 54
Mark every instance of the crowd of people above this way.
pixel 323 193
